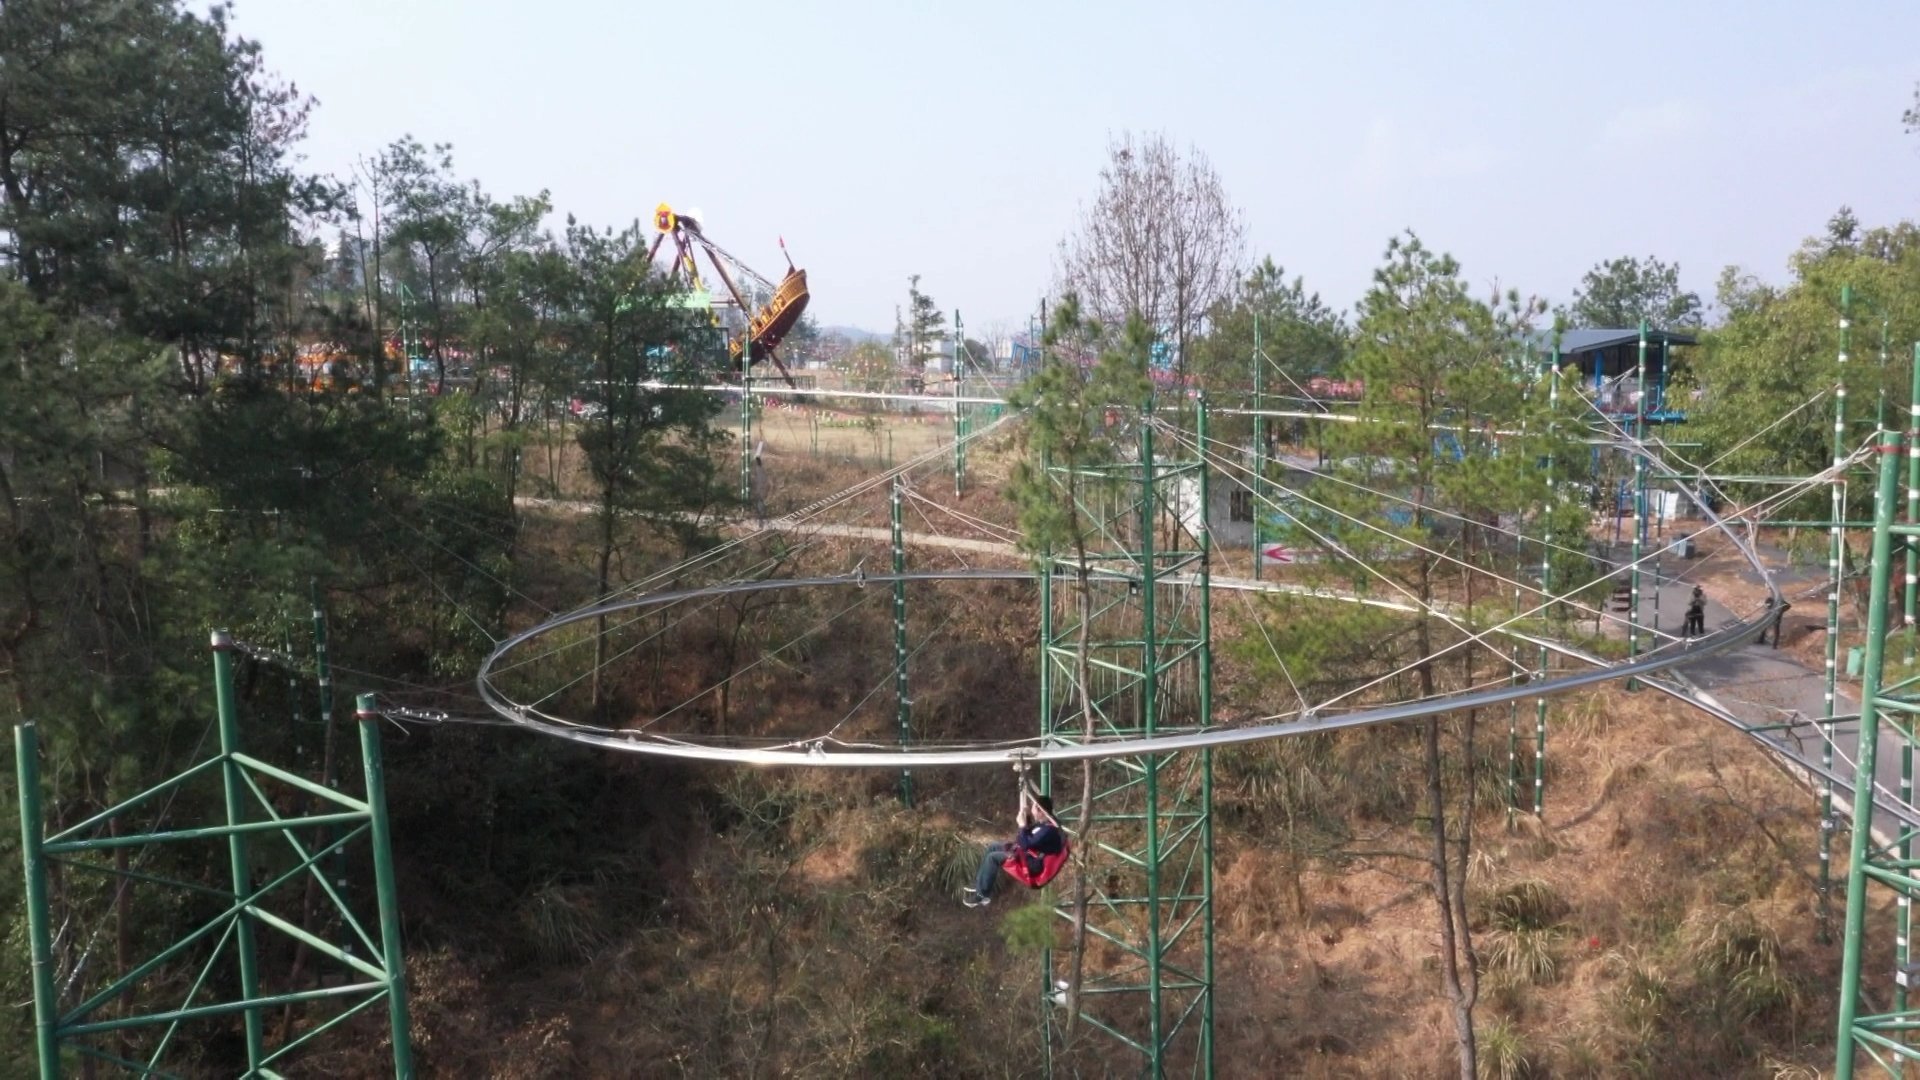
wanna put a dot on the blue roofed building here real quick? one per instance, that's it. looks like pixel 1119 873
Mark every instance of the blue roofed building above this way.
pixel 1608 363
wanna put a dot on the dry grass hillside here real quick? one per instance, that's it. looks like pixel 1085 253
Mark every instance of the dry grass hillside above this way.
pixel 1662 922
pixel 640 918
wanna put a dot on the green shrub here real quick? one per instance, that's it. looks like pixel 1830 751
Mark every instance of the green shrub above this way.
pixel 1030 928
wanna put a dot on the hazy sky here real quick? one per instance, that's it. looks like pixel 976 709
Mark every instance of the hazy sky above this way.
pixel 959 140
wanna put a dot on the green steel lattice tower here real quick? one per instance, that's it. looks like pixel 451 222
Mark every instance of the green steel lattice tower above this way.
pixel 1147 979
pixel 141 1013
pixel 1883 1038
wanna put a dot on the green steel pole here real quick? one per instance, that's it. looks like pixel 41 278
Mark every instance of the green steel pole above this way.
pixel 1206 722
pixel 1836 556
pixel 1913 504
pixel 1546 587
pixel 746 418
pixel 229 716
pixel 1046 768
pixel 1149 692
pixel 1657 509
pixel 1513 679
pixel 1513 756
pixel 1903 906
pixel 1513 731
pixel 1869 741
pixel 393 957
pixel 903 709
pixel 330 745
pixel 959 422
pixel 46 1012
pixel 1659 545
pixel 1639 503
pixel 1259 444
pixel 1880 405
pixel 293 704
pixel 1903 936
pixel 1046 640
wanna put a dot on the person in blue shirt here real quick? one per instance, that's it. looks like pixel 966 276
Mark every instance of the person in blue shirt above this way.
pixel 1032 857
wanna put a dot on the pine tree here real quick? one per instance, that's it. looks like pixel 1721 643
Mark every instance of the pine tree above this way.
pixel 1618 293
pixel 926 327
pixel 1425 470
pixel 647 449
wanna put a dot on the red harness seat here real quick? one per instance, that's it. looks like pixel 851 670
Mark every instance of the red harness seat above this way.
pixel 1033 868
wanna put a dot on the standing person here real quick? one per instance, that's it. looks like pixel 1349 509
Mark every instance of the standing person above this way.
pixel 1032 857
pixel 1696 622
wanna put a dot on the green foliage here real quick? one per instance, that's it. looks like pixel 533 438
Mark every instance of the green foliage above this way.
pixel 1082 409
pixel 959 860
pixel 868 366
pixel 647 449
pixel 166 469
pixel 1455 426
pixel 144 173
pixel 925 327
pixel 1618 293
pixel 1031 928
pixel 1321 647
pixel 1300 338
pixel 334 465
pixel 1761 371
pixel 1437 375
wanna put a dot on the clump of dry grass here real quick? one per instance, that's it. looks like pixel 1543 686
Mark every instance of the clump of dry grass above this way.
pixel 1582 718
pixel 1537 840
pixel 1524 931
pixel 1618 775
pixel 563 922
pixel 1739 978
pixel 1250 896
pixel 1504 1053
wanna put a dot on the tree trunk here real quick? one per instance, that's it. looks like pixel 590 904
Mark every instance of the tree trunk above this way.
pixel 1443 899
pixel 600 623
pixel 1081 672
pixel 1448 893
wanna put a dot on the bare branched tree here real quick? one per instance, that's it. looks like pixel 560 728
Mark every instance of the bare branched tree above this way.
pixel 1162 239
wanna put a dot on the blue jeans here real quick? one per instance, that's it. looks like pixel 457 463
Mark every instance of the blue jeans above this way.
pixel 990 863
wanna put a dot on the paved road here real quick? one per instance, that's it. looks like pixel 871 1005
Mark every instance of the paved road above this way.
pixel 1761 685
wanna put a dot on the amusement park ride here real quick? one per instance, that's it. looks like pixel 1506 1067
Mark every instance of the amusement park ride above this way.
pixel 763 329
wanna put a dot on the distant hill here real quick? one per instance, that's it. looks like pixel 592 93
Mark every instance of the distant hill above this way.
pixel 852 333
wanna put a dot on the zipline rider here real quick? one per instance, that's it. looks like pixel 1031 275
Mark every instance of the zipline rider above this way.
pixel 1032 858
